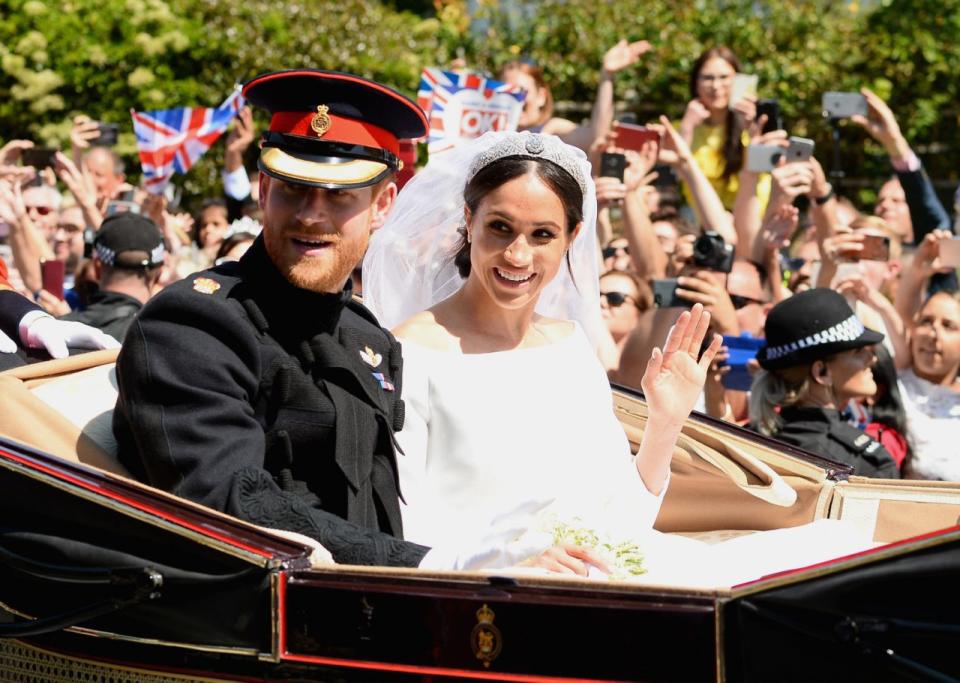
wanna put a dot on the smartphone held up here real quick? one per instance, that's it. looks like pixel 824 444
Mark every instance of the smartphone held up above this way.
pixel 612 165
pixel 744 85
pixel 39 157
pixel 634 137
pixel 52 273
pixel 843 105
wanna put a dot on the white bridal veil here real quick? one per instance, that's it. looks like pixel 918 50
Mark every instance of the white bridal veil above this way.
pixel 409 264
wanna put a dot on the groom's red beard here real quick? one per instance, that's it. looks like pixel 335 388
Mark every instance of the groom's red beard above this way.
pixel 326 272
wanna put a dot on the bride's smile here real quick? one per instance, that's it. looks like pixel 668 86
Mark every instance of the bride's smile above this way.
pixel 518 237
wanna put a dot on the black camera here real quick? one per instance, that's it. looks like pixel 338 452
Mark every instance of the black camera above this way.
pixel 710 251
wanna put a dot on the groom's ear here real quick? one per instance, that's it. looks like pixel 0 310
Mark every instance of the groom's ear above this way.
pixel 383 198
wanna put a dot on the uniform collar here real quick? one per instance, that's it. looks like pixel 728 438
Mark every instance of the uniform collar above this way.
pixel 108 298
pixel 809 414
pixel 291 312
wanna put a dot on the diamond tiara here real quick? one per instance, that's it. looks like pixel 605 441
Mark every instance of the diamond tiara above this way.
pixel 532 146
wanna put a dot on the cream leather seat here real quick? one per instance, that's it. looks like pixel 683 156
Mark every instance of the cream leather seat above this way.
pixel 65 408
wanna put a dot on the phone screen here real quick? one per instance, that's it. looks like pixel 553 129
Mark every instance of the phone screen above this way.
pixel 39 157
pixel 634 137
pixel 950 252
pixel 665 294
pixel 51 276
pixel 109 133
pixel 744 85
pixel 770 108
pixel 875 248
pixel 612 165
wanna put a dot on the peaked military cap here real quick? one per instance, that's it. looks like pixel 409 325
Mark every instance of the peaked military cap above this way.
pixel 810 326
pixel 331 129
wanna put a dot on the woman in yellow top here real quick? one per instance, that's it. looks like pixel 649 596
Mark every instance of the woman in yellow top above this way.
pixel 716 132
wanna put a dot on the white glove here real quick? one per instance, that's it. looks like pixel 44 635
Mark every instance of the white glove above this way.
pixel 7 345
pixel 39 330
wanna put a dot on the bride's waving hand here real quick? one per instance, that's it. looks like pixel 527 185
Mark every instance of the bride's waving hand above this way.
pixel 671 384
pixel 674 377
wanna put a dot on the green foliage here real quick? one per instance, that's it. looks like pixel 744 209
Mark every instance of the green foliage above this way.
pixel 59 58
pixel 63 57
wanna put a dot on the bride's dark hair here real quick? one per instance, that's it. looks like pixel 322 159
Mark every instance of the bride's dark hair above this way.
pixel 502 171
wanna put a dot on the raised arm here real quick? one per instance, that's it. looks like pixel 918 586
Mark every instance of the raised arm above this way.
pixel 648 257
pixel 915 278
pixel 671 384
pixel 616 59
pixel 26 243
pixel 747 215
pixel 926 211
pixel 675 152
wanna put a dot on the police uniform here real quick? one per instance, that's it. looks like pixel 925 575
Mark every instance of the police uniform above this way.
pixel 810 326
pixel 273 403
pixel 125 242
pixel 826 433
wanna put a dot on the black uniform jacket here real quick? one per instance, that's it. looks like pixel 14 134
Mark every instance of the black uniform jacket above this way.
pixel 269 402
pixel 111 312
pixel 826 433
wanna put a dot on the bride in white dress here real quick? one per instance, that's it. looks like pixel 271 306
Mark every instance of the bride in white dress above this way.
pixel 487 270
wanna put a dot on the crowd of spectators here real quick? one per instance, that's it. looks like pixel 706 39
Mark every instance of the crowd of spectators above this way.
pixel 688 221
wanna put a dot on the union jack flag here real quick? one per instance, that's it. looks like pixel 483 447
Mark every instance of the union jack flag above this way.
pixel 466 105
pixel 172 140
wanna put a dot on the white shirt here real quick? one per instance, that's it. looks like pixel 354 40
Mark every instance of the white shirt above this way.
pixel 933 427
pixel 498 443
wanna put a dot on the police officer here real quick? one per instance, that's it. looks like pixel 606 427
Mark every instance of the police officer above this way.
pixel 816 359
pixel 261 387
pixel 128 254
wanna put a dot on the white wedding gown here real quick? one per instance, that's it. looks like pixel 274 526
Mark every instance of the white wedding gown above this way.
pixel 500 443
pixel 500 448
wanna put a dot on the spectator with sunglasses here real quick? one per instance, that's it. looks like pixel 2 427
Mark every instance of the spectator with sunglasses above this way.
pixel 623 298
pixel 616 255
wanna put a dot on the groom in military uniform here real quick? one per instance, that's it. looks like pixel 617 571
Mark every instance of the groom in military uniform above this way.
pixel 261 388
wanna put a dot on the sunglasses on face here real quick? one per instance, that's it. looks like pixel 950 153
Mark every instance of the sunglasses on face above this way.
pixel 741 301
pixel 610 252
pixel 616 299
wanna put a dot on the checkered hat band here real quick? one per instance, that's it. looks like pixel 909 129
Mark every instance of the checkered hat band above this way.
pixel 108 256
pixel 849 330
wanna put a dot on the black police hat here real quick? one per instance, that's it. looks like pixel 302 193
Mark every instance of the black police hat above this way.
pixel 811 326
pixel 331 129
pixel 129 240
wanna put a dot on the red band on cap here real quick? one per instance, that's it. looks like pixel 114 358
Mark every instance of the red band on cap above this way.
pixel 349 131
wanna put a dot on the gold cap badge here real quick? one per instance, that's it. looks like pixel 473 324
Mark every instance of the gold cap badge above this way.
pixel 320 123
